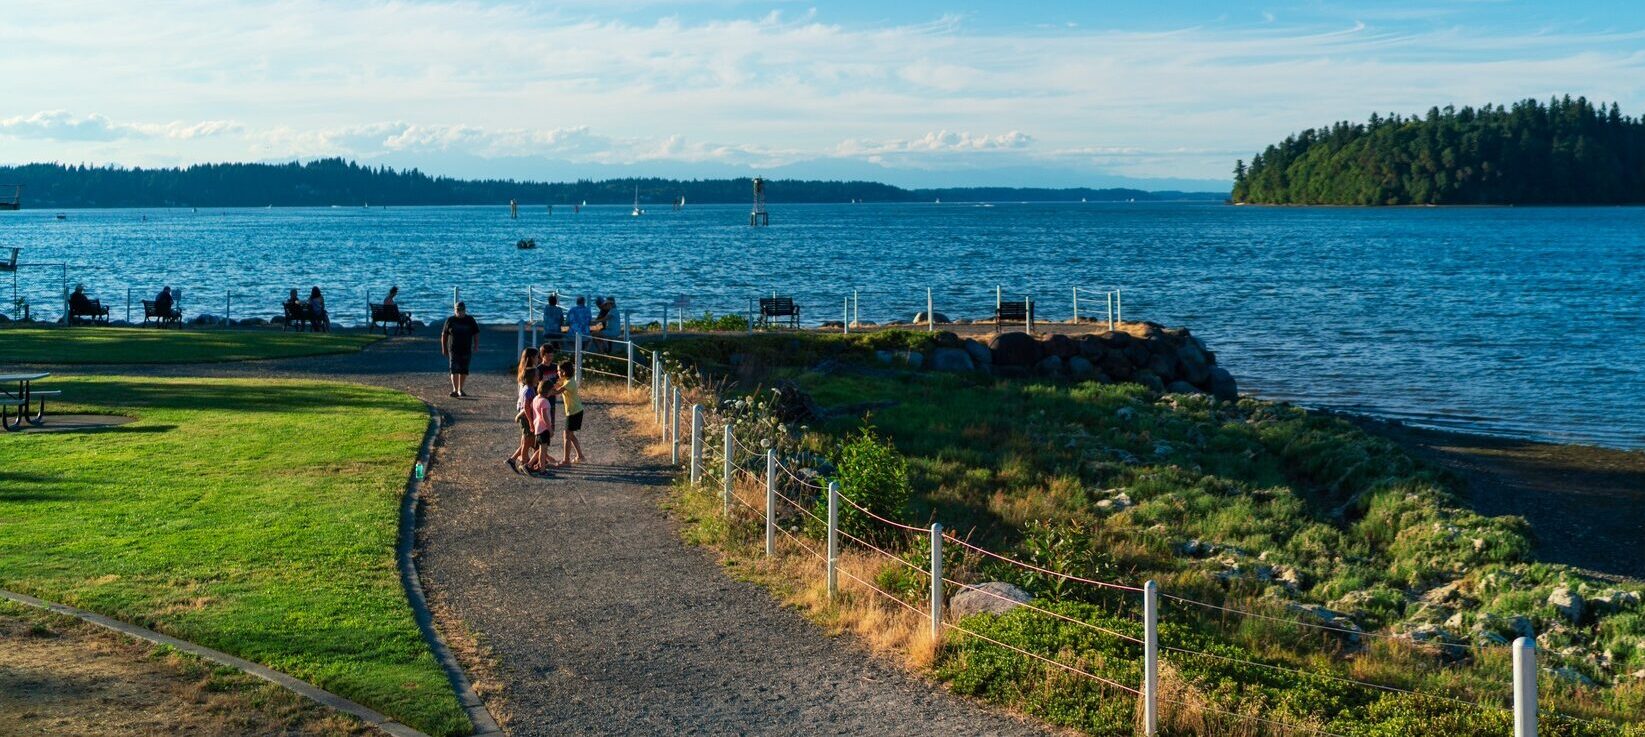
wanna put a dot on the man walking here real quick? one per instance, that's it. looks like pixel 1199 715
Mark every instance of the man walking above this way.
pixel 459 339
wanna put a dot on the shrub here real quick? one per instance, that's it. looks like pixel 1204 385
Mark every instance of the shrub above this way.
pixel 723 323
pixel 873 475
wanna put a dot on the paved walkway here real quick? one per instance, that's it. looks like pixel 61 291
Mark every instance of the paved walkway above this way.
pixel 603 621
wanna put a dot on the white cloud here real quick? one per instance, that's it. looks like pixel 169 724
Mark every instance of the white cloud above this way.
pixel 320 77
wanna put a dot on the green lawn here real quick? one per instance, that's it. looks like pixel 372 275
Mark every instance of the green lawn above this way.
pixel 152 345
pixel 256 517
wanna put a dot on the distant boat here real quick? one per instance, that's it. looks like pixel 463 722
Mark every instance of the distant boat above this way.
pixel 1082 199
pixel 61 216
pixel 939 201
pixel 526 244
pixel 637 211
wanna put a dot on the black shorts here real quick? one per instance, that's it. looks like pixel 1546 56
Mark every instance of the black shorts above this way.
pixel 545 438
pixel 459 363
pixel 525 424
pixel 574 423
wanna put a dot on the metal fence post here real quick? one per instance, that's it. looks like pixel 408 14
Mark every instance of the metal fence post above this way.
pixel 1110 296
pixel 833 540
pixel 631 365
pixel 770 503
pixel 696 443
pixel 730 454
pixel 1150 658
pixel 930 315
pixel 577 351
pixel 519 337
pixel 662 406
pixel 674 427
pixel 1119 305
pixel 856 307
pixel 1028 313
pixel 228 308
pixel 128 305
pixel 1524 687
pixel 456 296
pixel 936 580
pixel 1076 305
pixel 845 317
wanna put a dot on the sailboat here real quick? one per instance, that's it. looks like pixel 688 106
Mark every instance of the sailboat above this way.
pixel 637 211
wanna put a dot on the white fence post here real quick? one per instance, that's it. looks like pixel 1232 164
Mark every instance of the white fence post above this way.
pixel 674 427
pixel 1150 658
pixel 856 307
pixel 656 386
pixel 770 503
pixel 1110 311
pixel 630 364
pixel 1076 305
pixel 577 351
pixel 1028 313
pixel 730 452
pixel 228 309
pixel 936 580
pixel 845 317
pixel 457 296
pixel 1524 687
pixel 665 322
pixel 930 316
pixel 1119 305
pixel 696 443
pixel 662 406
pixel 833 540
pixel 519 338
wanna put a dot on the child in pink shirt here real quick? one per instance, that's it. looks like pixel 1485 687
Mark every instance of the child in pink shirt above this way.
pixel 541 412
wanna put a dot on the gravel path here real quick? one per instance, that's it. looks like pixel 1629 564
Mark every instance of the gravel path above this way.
pixel 603 621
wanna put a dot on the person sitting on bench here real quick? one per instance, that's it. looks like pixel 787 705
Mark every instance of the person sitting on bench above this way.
pixel 79 303
pixel 163 303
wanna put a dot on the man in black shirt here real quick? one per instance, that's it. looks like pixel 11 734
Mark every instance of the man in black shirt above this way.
pixel 459 339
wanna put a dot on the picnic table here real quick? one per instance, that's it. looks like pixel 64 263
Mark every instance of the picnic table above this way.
pixel 18 402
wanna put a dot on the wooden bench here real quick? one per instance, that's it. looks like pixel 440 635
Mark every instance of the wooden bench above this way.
pixel 173 317
pixel 93 313
pixel 772 308
pixel 1014 313
pixel 383 316
pixel 297 317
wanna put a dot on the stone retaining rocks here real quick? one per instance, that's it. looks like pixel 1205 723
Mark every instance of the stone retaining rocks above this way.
pixel 994 597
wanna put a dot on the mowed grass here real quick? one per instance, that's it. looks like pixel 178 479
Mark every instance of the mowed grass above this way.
pixel 153 345
pixel 256 517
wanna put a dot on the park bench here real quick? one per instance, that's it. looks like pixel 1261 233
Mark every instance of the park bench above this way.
pixel 297 317
pixel 383 316
pixel 92 313
pixel 11 420
pixel 772 308
pixel 152 312
pixel 1014 313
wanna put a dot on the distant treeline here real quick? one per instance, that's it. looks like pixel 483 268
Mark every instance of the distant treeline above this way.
pixel 1563 152
pixel 338 182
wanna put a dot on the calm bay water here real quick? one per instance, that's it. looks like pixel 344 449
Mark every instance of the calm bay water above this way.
pixel 1526 322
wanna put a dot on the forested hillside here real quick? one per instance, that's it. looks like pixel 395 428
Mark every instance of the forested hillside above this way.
pixel 339 182
pixel 1563 152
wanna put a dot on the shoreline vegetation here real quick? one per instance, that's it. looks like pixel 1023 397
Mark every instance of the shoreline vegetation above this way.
pixel 338 182
pixel 1563 152
pixel 1253 505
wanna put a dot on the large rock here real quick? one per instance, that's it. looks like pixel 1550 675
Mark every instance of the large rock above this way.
pixel 1115 339
pixel 1181 387
pixel 955 360
pixel 994 597
pixel 945 339
pixel 1115 365
pixel 1223 385
pixel 1195 369
pixel 1015 350
pixel 1568 603
pixel 980 355
pixel 1080 367
pixel 1163 366
pixel 793 405
pixel 941 319
pixel 1061 346
pixel 1149 379
pixel 1091 347
pixel 1138 354
pixel 1049 366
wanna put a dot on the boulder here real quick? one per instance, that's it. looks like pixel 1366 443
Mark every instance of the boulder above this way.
pixel 1114 364
pixel 1061 346
pixel 1163 366
pixel 1115 339
pixel 994 597
pixel 1568 603
pixel 945 339
pixel 1181 387
pixel 1081 368
pixel 1223 385
pixel 858 324
pixel 1014 349
pixel 914 359
pixel 1149 379
pixel 955 360
pixel 1091 347
pixel 941 319
pixel 791 404
pixel 1138 354
pixel 1049 366
pixel 884 357
pixel 832 324
pixel 1117 503
pixel 1195 369
pixel 980 355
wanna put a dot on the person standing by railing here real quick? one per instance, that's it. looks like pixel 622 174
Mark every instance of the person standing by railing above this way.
pixel 553 321
pixel 580 318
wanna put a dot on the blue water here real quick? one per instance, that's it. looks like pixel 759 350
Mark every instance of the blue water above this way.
pixel 1525 322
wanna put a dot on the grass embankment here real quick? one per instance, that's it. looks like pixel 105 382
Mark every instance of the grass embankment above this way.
pixel 254 517
pixel 88 345
pixel 1250 504
pixel 61 676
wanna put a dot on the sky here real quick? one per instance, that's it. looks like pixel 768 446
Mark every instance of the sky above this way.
pixel 1159 94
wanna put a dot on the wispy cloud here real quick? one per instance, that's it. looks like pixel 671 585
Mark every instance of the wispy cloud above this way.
pixel 749 87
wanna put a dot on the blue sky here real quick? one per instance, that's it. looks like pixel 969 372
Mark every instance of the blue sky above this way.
pixel 1165 94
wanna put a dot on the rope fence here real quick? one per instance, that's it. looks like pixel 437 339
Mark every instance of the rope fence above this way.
pixel 754 463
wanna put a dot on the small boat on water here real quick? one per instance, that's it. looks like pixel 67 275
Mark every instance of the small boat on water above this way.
pixel 526 244
pixel 637 211
pixel 61 216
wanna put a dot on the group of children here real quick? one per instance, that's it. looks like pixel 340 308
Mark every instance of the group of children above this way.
pixel 543 385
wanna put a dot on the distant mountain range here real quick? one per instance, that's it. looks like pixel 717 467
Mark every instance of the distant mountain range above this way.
pixel 338 182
